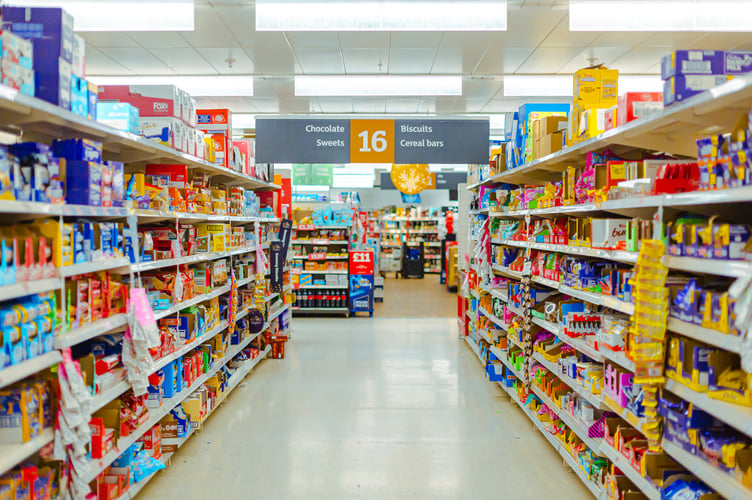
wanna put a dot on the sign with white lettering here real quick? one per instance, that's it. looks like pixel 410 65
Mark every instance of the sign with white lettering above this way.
pixel 303 140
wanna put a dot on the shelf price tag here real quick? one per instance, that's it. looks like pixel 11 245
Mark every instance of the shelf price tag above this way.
pixel 317 256
pixel 371 141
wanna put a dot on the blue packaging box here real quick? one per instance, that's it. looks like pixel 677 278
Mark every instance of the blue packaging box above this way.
pixel 119 115
pixel 680 87
pixel 78 150
pixel 93 98
pixel 738 62
pixel 83 184
pixel 50 30
pixel 692 62
pixel 79 99
pixel 54 84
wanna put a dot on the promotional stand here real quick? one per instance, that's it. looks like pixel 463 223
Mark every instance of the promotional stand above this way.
pixel 361 282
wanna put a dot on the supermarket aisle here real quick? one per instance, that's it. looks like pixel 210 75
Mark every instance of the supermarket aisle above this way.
pixel 416 298
pixel 382 409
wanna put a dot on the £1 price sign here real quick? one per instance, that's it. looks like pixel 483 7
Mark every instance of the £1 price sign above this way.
pixel 371 141
pixel 361 263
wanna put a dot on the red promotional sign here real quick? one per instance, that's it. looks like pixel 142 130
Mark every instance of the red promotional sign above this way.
pixel 361 263
pixel 363 216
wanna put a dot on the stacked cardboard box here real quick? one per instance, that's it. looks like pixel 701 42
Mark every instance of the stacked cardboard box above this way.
pixel 595 90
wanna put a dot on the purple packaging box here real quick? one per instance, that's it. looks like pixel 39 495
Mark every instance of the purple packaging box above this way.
pixel 49 29
pixel 681 87
pixel 54 85
pixel 83 184
pixel 692 62
pixel 738 62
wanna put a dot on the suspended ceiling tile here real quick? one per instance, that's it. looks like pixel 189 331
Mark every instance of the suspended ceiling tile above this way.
pixel 718 41
pixel 365 61
pixel 313 39
pixel 411 61
pixel 500 60
pixel 320 61
pixel 140 61
pixel 369 104
pixel 469 105
pixel 627 39
pixel 273 60
pixel 206 103
pixel 364 39
pixel 161 40
pixel 186 61
pixel 235 104
pixel 598 55
pixel 529 26
pixel 99 64
pixel 108 39
pixel 468 39
pixel 402 105
pixel 485 88
pixel 218 58
pixel 265 105
pixel 211 31
pixel 560 36
pixel 639 59
pixel 548 59
pixel 670 40
pixel 241 23
pixel 335 104
pixel 445 105
pixel 298 105
pixel 416 39
pixel 264 89
pixel 503 105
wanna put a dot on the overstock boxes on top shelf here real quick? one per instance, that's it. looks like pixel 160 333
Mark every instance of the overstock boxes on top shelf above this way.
pixel 217 123
pixel 163 101
pixel 49 29
pixel 633 105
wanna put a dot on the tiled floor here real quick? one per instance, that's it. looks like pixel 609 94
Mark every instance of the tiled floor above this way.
pixel 368 408
pixel 416 298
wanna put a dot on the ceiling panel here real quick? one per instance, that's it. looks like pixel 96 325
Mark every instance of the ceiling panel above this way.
pixel 596 54
pixel 364 39
pixel 335 104
pixel 499 60
pixel 411 61
pixel 206 103
pixel 402 105
pixel 718 41
pixel 161 40
pixel 548 59
pixel 236 104
pixel 241 23
pixel 283 88
pixel 460 52
pixel 264 88
pixel 218 58
pixel 99 64
pixel 503 105
pixel 320 61
pixel 265 105
pixel 560 36
pixel 140 61
pixel 528 26
pixel 313 40
pixel 273 60
pixel 107 39
pixel 365 60
pixel 211 31
pixel 416 39
pixel 294 105
pixel 184 61
pixel 485 88
pixel 469 105
pixel 369 104
pixel 639 60
pixel 627 39
pixel 671 40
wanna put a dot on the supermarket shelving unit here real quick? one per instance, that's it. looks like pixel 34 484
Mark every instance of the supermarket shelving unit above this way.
pixel 396 230
pixel 328 292
pixel 43 122
pixel 672 130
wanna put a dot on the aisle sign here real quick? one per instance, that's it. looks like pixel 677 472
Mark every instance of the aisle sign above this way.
pixel 427 140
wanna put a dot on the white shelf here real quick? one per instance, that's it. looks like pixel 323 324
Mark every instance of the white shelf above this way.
pixel 729 342
pixel 13 454
pixel 474 347
pixel 321 309
pixel 187 347
pixel 324 272
pixel 24 288
pixel 107 395
pixel 163 313
pixel 645 485
pixel 506 271
pixel 93 267
pixel 90 330
pixel 723 483
pixel 333 257
pixel 585 393
pixel 499 353
pixel 493 318
pixel 737 416
pixel 14 373
pixel 278 313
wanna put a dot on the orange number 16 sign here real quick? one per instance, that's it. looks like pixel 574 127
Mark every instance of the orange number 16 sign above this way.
pixel 371 141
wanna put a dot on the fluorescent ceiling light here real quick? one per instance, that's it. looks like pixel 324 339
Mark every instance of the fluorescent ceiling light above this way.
pixel 243 120
pixel 660 15
pixel 353 180
pixel 382 15
pixel 224 86
pixel 562 85
pixel 123 15
pixel 377 85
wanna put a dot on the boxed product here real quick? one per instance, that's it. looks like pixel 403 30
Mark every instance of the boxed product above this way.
pixel 156 101
pixel 93 100
pixel 122 116
pixel 17 77
pixel 680 87
pixel 16 50
pixel 165 131
pixel 738 62
pixel 596 87
pixel 79 99
pixel 217 124
pixel 633 105
pixel 78 63
pixel 52 83
pixel 692 62
pixel 49 29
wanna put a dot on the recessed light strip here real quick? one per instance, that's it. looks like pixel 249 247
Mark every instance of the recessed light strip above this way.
pixel 123 15
pixel 562 85
pixel 384 15
pixel 377 85
pixel 196 86
pixel 660 15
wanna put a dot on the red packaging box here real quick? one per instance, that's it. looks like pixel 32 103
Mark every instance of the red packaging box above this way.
pixel 633 105
pixel 178 173
pixel 151 100
pixel 152 442
pixel 218 124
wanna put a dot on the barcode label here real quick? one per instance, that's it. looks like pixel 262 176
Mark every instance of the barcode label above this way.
pixel 642 108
